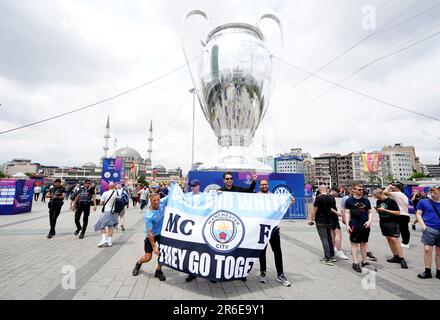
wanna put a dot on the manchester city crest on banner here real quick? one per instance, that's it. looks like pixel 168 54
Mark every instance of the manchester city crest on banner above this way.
pixel 223 231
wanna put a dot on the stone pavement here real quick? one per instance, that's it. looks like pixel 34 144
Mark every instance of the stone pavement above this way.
pixel 33 267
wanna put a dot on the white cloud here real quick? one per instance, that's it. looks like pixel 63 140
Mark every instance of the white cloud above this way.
pixel 78 52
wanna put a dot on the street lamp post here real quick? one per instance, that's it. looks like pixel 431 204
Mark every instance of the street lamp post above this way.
pixel 193 91
pixel 381 180
pixel 330 177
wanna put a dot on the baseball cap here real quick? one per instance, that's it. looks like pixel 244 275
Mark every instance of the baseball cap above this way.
pixel 194 182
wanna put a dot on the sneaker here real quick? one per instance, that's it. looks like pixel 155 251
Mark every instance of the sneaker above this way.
pixel 77 231
pixel 333 259
pixel 368 266
pixel 356 267
pixel 424 275
pixel 394 260
pixel 159 274
pixel 403 264
pixel 413 227
pixel 81 235
pixel 102 243
pixel 341 255
pixel 50 235
pixel 190 278
pixel 404 245
pixel 136 269
pixel 326 261
pixel 263 277
pixel 122 228
pixel 109 243
pixel 281 278
pixel 371 257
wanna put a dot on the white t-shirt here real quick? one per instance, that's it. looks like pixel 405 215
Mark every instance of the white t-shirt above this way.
pixel 144 194
pixel 402 202
pixel 37 189
pixel 106 195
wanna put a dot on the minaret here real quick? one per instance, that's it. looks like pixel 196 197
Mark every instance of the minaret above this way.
pixel 150 142
pixel 106 137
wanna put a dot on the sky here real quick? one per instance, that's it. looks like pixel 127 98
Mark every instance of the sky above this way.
pixel 57 56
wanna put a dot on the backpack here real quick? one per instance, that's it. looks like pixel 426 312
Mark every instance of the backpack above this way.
pixel 120 202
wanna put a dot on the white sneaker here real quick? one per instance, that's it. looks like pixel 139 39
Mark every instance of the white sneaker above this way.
pixel 102 243
pixel 341 255
pixel 109 244
pixel 404 245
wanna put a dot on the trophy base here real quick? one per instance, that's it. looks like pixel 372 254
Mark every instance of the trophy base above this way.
pixel 232 160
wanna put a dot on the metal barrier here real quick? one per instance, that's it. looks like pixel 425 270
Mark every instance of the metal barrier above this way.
pixel 299 210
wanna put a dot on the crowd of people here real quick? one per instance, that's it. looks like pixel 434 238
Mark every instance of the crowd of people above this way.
pixel 392 206
pixel 355 214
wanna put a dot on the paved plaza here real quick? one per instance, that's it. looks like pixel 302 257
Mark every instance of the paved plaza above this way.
pixel 34 267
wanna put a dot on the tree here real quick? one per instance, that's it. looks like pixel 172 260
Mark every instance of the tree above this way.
pixel 29 174
pixel 2 174
pixel 142 181
pixel 417 175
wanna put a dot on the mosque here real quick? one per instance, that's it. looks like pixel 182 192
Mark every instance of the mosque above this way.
pixel 135 165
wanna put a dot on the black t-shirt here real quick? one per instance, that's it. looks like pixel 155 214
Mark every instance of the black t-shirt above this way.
pixel 241 189
pixel 388 204
pixel 358 210
pixel 85 195
pixel 57 191
pixel 324 203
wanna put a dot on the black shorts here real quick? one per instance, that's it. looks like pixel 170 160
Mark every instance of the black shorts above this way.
pixel 335 224
pixel 359 234
pixel 390 229
pixel 147 244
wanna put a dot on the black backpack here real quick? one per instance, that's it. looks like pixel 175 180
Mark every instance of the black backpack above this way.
pixel 120 202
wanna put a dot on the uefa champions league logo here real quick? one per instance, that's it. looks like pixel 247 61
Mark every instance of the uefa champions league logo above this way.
pixel 223 231
pixel 281 189
pixel 25 189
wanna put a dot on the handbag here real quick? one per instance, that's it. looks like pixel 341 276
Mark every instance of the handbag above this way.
pixel 103 207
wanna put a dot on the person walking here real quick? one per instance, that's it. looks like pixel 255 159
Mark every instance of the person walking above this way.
pixel 322 211
pixel 121 193
pixel 144 193
pixel 37 191
pixel 43 192
pixel 81 204
pixel 56 195
pixel 107 219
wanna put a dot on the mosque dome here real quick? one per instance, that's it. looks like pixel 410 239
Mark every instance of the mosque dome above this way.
pixel 127 153
pixel 159 167
pixel 89 165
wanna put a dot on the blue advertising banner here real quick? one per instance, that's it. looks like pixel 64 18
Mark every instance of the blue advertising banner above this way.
pixel 16 196
pixel 218 236
pixel 113 170
pixel 279 183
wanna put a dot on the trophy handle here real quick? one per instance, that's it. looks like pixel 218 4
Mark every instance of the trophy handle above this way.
pixel 182 36
pixel 202 42
pixel 280 27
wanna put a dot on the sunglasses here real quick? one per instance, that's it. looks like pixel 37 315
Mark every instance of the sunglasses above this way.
pixel 359 189
pixel 229 179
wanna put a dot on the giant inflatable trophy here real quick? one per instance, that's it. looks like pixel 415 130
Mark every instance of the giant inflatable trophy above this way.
pixel 233 81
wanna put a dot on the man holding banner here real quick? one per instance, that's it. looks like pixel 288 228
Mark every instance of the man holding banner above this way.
pixel 153 225
pixel 218 236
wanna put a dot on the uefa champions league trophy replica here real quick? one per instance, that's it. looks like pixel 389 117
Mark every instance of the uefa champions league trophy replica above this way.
pixel 233 81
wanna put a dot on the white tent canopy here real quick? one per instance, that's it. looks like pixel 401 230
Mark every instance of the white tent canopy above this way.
pixel 20 175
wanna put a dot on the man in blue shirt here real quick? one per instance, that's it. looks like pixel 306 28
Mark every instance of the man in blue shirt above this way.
pixel 428 214
pixel 153 226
